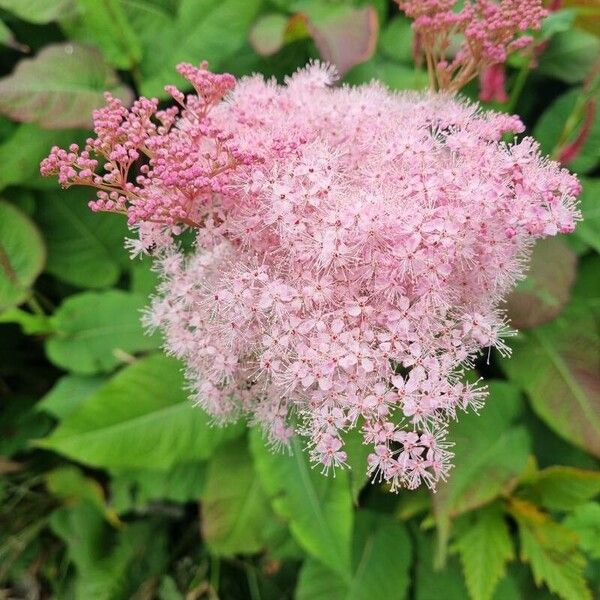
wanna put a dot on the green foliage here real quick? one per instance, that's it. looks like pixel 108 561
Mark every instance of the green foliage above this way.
pixel 60 87
pixel 22 255
pixel 95 332
pixel 140 418
pixel 112 485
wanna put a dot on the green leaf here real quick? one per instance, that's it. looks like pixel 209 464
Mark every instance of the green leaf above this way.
pixel 97 331
pixel 557 365
pixel 110 566
pixel 561 488
pixel 22 255
pixel 196 33
pixel 39 11
pixel 570 56
pixel 357 453
pixel 589 203
pixel 235 509
pixel 397 40
pixel 585 522
pixel 551 551
pixel 59 87
pixel 490 452
pixel 84 248
pixel 104 24
pixel 72 486
pixel 484 549
pixel 268 33
pixel 140 419
pixel 68 394
pixel 21 153
pixel 543 294
pixel 134 489
pixel 31 324
pixel 558 126
pixel 394 75
pixel 318 508
pixel 381 560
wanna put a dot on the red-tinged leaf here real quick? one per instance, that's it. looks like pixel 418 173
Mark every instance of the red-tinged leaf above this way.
pixel 344 36
pixel 558 365
pixel 546 290
pixel 60 87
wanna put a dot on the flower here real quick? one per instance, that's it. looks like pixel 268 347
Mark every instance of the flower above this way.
pixel 352 248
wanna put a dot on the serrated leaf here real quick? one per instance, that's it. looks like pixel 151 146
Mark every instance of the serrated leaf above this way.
pixel 140 419
pixel 84 248
pixel 196 33
pixel 557 365
pixel 561 488
pixel 104 24
pixel 484 550
pixel 381 559
pixel 570 55
pixel 22 255
pixel 59 87
pixel 585 522
pixel 543 294
pixel 69 392
pixel 39 11
pixel 589 204
pixel 235 509
pixel 551 550
pixel 95 331
pixel 318 508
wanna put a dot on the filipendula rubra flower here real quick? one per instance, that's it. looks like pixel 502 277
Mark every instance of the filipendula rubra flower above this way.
pixel 352 246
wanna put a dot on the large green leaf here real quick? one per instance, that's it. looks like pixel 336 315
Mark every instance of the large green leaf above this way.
pixel 381 559
pixel 484 549
pixel 104 24
pixel 551 551
pixel 570 56
pixel 235 509
pixel 95 331
pixel 84 248
pixel 546 290
pixel 589 229
pixel 490 451
pixel 210 30
pixel 39 11
pixel 140 419
pixel 557 365
pixel 60 87
pixel 22 255
pixel 318 508
pixel 561 488
pixel 69 392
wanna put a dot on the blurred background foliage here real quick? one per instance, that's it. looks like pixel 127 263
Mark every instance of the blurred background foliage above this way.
pixel 113 487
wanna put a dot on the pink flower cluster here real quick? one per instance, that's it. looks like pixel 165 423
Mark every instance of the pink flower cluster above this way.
pixel 354 247
pixel 490 31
